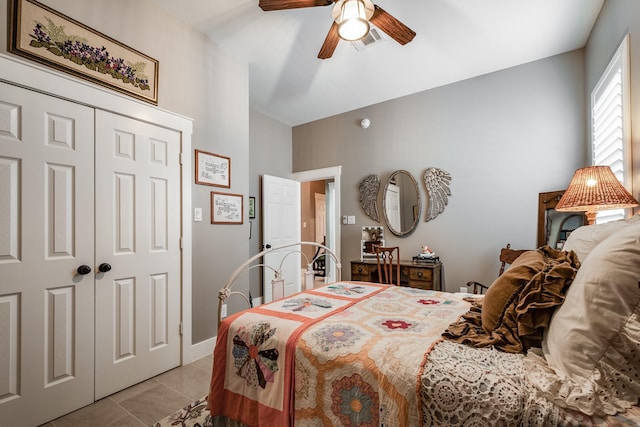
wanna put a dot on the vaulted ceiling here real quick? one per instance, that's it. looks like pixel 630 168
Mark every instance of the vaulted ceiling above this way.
pixel 456 40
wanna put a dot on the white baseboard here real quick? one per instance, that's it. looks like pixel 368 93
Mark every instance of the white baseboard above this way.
pixel 201 349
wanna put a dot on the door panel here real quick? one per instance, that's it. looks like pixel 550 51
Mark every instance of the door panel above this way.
pixel 46 233
pixel 281 226
pixel 320 218
pixel 137 207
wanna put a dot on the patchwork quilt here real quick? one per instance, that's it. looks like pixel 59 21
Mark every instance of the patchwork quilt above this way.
pixel 348 353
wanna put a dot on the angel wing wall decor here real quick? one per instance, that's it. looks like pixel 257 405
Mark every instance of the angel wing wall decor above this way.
pixel 436 182
pixel 369 187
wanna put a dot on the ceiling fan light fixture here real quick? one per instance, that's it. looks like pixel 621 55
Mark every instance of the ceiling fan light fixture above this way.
pixel 353 24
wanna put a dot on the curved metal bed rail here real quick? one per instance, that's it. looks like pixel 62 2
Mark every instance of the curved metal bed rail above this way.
pixel 227 291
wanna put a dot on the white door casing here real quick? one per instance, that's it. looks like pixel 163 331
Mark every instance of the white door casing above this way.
pixel 320 218
pixel 333 196
pixel 281 226
pixel 138 235
pixel 46 233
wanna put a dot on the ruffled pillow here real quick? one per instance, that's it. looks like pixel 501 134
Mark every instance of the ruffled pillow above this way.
pixel 593 340
pixel 583 239
pixel 506 285
pixel 523 306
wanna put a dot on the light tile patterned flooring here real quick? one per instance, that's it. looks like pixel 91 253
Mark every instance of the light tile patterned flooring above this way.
pixel 144 403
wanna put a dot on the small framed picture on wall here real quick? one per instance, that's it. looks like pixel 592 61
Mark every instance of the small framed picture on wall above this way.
pixel 226 208
pixel 252 207
pixel 213 169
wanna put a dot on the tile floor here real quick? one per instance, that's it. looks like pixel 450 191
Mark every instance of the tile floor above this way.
pixel 144 403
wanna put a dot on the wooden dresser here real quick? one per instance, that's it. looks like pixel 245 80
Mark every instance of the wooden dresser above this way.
pixel 416 275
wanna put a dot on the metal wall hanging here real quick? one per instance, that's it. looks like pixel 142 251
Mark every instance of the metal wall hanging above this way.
pixel 369 187
pixel 437 183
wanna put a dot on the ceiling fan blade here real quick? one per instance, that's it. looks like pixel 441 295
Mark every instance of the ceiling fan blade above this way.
pixel 291 4
pixel 330 42
pixel 390 25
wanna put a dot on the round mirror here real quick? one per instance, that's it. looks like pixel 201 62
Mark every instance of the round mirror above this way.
pixel 401 203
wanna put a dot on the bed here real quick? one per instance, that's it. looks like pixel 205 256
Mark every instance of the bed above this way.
pixel 563 348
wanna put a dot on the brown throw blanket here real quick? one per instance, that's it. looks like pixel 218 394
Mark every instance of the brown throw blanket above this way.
pixel 537 286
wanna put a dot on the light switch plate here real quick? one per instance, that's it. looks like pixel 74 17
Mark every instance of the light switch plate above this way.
pixel 197 214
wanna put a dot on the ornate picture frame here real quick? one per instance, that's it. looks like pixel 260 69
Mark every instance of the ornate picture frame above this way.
pixel 212 169
pixel 227 208
pixel 44 35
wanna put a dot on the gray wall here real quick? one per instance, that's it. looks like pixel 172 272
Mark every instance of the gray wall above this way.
pixel 196 79
pixel 504 137
pixel 616 19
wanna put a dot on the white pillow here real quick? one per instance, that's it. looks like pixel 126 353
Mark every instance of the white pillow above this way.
pixel 593 340
pixel 583 239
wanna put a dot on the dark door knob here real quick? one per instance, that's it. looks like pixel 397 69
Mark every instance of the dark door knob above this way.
pixel 84 269
pixel 268 246
pixel 104 267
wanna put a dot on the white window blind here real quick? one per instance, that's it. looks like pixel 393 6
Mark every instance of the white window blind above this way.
pixel 610 123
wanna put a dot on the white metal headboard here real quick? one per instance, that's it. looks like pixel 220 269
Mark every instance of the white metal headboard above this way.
pixel 227 291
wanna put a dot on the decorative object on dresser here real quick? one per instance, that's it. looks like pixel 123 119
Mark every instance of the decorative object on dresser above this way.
pixel 416 275
pixel 592 189
pixel 368 188
pixel 426 255
pixel 436 181
pixel 372 235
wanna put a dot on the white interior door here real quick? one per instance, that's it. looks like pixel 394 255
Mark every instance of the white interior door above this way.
pixel 281 226
pixel 46 233
pixel 138 212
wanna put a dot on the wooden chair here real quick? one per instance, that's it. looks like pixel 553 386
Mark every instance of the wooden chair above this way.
pixel 507 256
pixel 388 264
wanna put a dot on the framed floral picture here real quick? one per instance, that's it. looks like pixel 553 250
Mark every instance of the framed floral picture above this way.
pixel 226 208
pixel 44 35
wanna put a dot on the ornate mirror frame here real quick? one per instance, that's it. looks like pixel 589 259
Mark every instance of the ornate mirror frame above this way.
pixel 387 200
pixel 550 222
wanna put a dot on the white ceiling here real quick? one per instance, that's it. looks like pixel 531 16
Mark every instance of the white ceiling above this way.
pixel 456 40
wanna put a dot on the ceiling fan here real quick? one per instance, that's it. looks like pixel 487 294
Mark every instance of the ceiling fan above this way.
pixel 350 21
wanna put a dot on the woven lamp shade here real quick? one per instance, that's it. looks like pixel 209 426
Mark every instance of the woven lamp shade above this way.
pixel 592 189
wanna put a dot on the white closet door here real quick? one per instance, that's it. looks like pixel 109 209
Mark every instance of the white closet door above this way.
pixel 46 233
pixel 138 235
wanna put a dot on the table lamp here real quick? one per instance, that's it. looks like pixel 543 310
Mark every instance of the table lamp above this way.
pixel 592 189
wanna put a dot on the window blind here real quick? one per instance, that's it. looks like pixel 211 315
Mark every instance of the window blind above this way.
pixel 610 123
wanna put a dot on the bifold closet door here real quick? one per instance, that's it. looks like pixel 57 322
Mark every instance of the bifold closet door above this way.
pixel 137 251
pixel 46 251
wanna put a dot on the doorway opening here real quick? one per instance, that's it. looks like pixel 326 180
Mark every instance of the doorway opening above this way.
pixel 326 184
